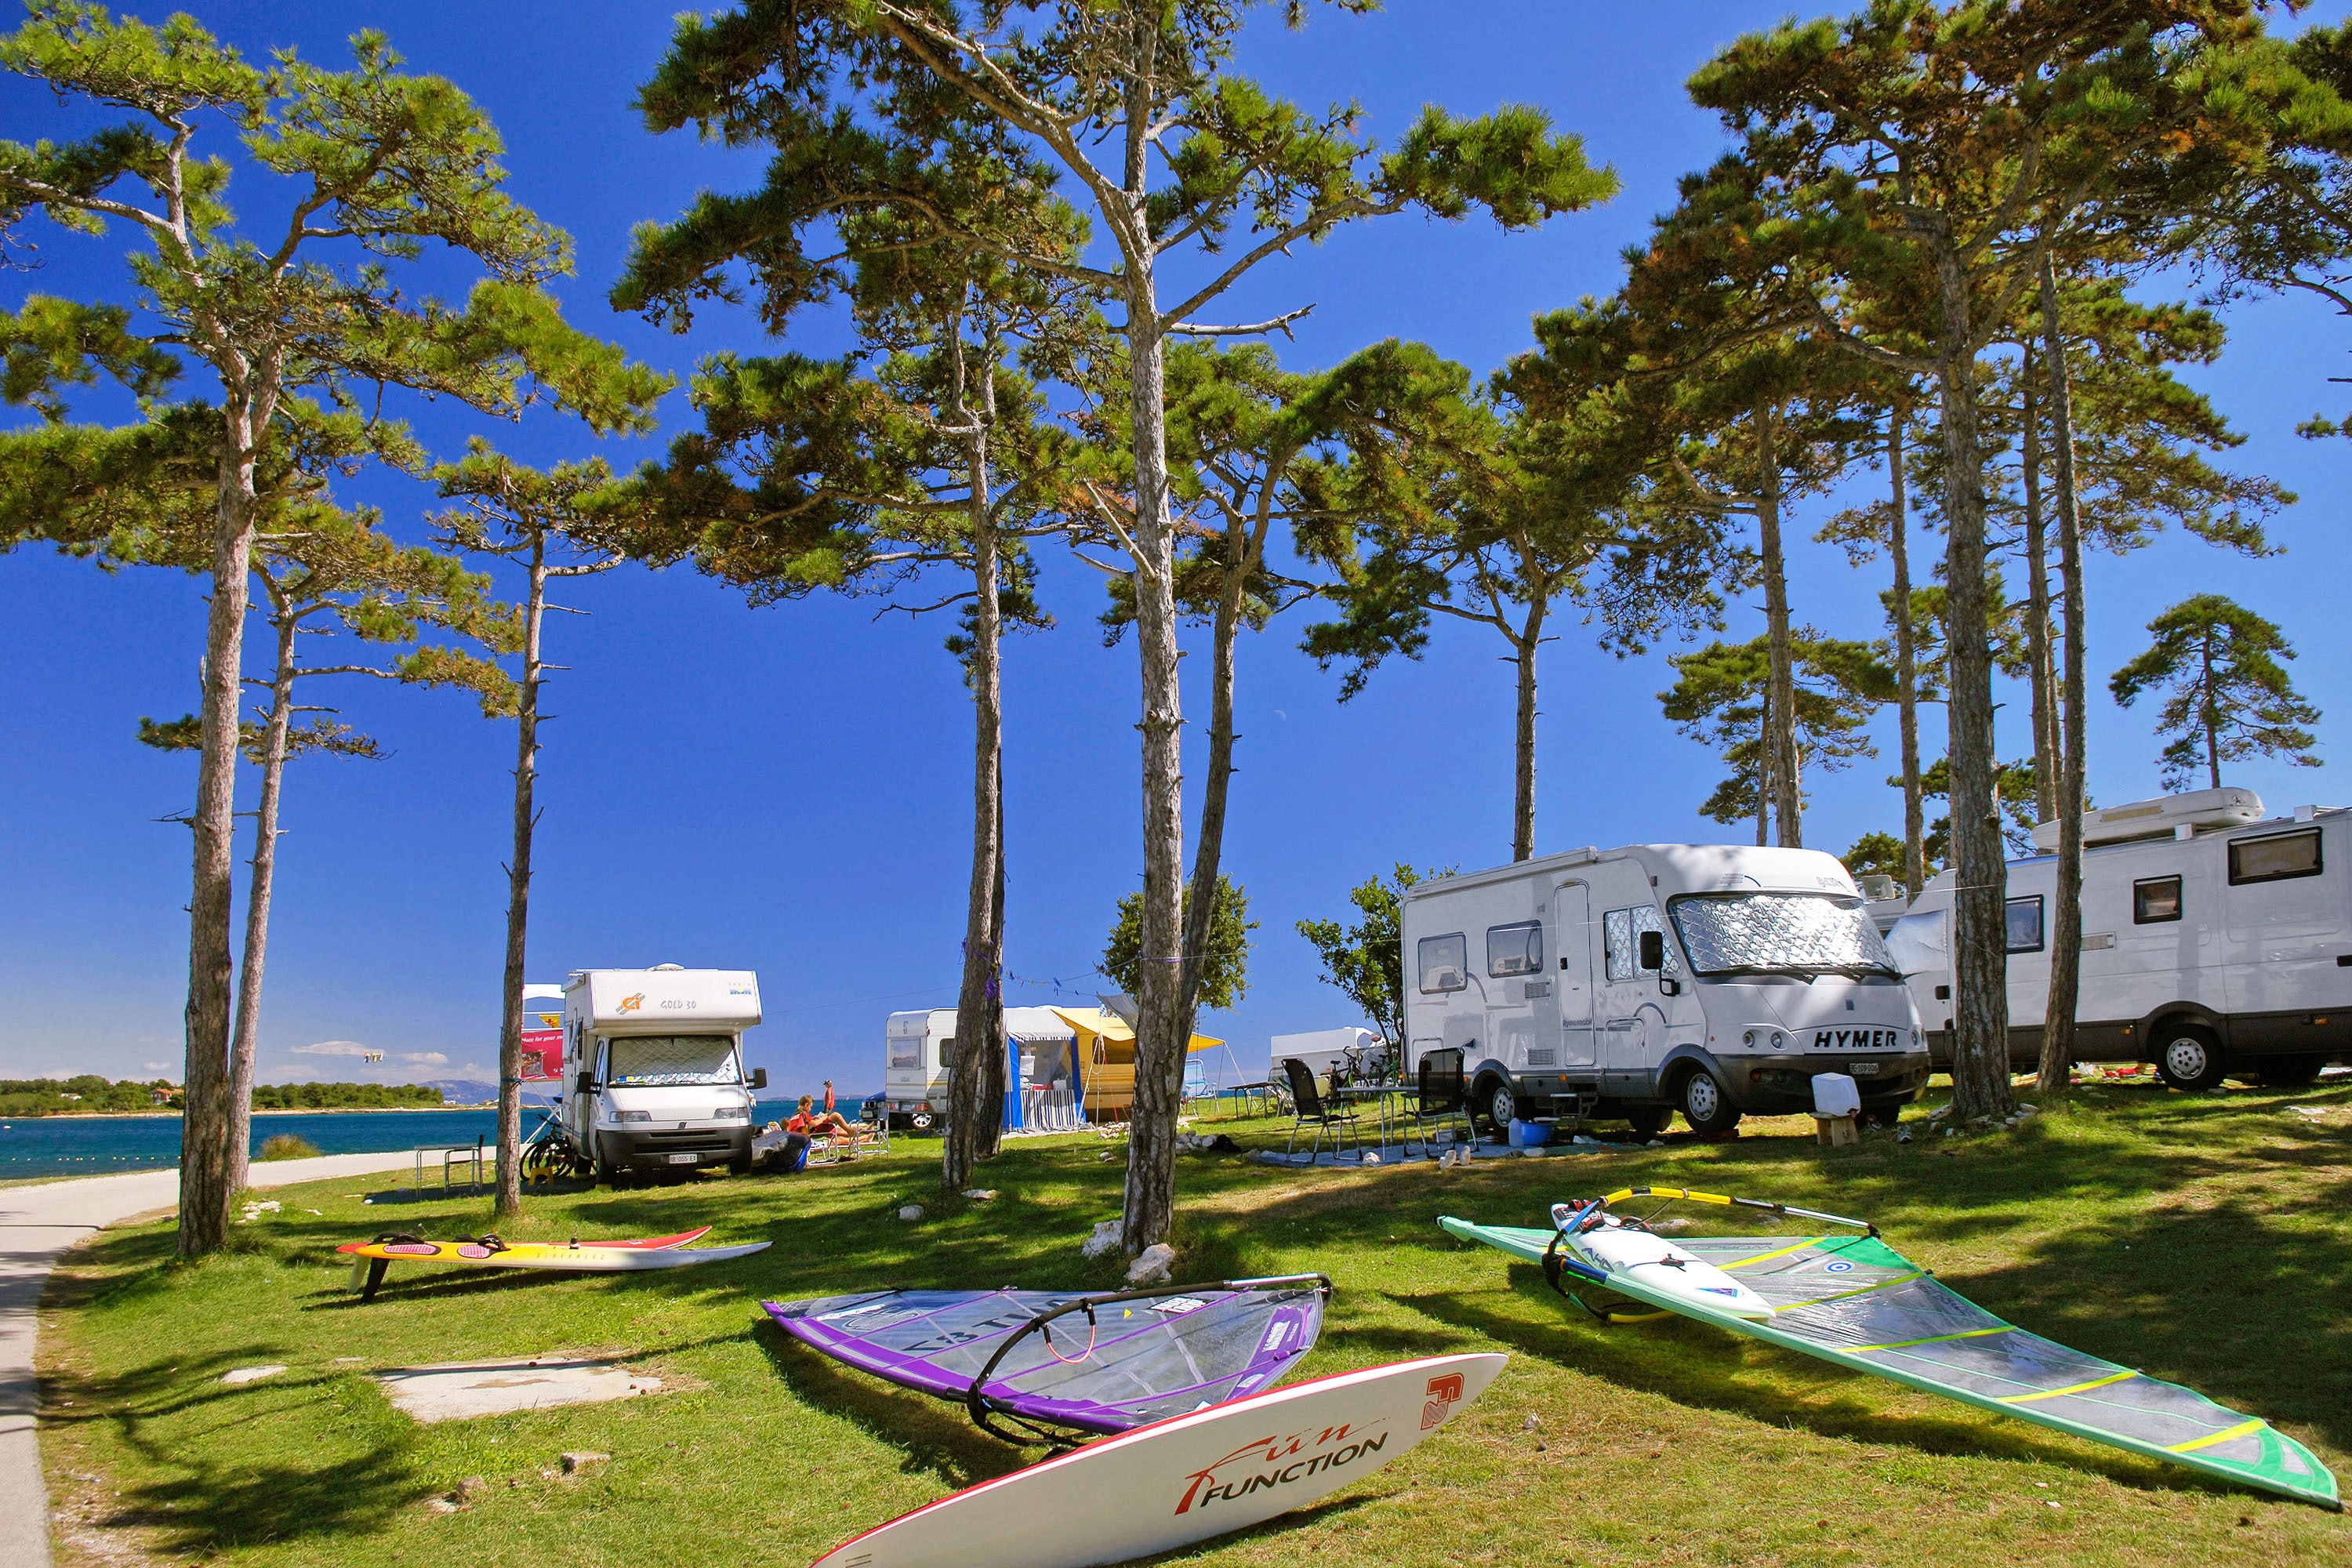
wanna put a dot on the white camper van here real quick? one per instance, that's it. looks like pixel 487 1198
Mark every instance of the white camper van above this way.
pixel 1635 983
pixel 653 1063
pixel 2215 942
pixel 917 1052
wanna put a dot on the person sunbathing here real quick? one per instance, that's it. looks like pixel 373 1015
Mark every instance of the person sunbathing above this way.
pixel 811 1122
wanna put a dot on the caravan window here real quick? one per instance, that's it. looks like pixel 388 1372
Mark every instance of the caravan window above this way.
pixel 2024 920
pixel 2274 857
pixel 1444 963
pixel 1515 948
pixel 669 1059
pixel 2155 899
pixel 1621 930
pixel 947 1052
pixel 905 1051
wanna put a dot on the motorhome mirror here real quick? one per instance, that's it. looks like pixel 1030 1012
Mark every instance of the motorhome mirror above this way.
pixel 1653 950
pixel 759 1077
pixel 1669 986
pixel 585 1083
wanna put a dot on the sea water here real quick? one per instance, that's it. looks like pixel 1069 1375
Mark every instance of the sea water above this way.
pixel 102 1145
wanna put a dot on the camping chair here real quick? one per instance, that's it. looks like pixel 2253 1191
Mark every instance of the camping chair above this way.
pixel 1443 1095
pixel 1341 1120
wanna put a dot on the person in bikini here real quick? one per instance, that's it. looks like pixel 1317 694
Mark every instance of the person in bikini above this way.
pixel 811 1122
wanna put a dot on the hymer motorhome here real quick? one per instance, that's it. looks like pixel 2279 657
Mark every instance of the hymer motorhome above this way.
pixel 1712 980
pixel 2216 941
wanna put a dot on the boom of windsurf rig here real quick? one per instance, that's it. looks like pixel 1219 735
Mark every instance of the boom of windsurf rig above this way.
pixel 986 1412
pixel 1575 1218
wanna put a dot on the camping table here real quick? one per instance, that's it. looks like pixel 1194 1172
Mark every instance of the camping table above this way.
pixel 1383 1095
pixel 450 1154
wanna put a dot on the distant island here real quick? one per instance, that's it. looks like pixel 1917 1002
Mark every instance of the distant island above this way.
pixel 93 1096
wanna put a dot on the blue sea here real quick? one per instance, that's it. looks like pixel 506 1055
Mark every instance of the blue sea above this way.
pixel 102 1145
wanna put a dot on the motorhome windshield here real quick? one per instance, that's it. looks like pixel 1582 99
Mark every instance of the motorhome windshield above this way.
pixel 652 1059
pixel 1778 933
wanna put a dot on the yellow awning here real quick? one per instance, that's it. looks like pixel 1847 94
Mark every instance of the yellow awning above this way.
pixel 1094 1023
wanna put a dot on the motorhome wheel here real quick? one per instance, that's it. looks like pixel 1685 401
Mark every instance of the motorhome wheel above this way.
pixel 739 1165
pixel 921 1121
pixel 2189 1058
pixel 1706 1105
pixel 1500 1108
pixel 1649 1121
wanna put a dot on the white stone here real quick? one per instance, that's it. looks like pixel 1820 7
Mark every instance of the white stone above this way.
pixel 1104 1239
pixel 455 1390
pixel 911 1213
pixel 1152 1268
pixel 250 1373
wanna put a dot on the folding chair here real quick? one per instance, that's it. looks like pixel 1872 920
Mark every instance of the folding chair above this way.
pixel 1340 1121
pixel 1443 1094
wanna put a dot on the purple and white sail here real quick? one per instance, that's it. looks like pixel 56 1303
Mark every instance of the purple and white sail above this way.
pixel 1066 1359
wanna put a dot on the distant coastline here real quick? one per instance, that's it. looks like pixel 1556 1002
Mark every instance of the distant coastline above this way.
pixel 272 1111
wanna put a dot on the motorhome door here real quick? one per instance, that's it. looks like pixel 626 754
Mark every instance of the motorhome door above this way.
pixel 1572 904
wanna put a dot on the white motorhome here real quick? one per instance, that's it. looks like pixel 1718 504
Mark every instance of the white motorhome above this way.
pixel 1635 982
pixel 918 1051
pixel 653 1062
pixel 2215 942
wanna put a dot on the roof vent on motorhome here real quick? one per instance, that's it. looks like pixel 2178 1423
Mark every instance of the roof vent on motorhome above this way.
pixel 658 968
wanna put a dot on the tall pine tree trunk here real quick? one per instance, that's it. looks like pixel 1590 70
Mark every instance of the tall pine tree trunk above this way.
pixel 204 1197
pixel 238 1146
pixel 1780 681
pixel 976 1035
pixel 1208 851
pixel 1980 963
pixel 526 818
pixel 2037 605
pixel 1906 664
pixel 2066 919
pixel 1524 644
pixel 1001 1078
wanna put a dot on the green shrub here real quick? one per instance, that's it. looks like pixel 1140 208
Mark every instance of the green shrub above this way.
pixel 288 1146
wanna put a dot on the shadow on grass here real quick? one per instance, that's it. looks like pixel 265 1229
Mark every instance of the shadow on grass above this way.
pixel 933 1436
pixel 210 1507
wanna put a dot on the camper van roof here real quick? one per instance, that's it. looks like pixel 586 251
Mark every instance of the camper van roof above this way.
pixel 1681 869
pixel 664 1000
pixel 2159 818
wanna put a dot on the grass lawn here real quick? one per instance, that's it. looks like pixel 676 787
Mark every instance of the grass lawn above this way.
pixel 2202 1239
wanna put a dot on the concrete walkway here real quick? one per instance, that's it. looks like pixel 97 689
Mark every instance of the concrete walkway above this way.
pixel 38 1222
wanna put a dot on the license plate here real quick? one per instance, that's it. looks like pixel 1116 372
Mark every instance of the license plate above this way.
pixel 689 1159
pixel 1859 1069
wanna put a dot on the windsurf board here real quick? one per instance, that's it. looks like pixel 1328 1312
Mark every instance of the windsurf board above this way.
pixel 1183 1479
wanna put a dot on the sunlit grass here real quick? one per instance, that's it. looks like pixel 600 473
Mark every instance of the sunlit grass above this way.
pixel 2201 1239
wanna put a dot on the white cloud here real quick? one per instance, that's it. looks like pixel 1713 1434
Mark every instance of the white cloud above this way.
pixel 354 1049
pixel 156 1067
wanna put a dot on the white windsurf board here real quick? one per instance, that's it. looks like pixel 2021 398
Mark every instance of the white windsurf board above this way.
pixel 1183 1479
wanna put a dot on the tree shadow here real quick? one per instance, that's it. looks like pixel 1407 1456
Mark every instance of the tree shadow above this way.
pixel 932 1437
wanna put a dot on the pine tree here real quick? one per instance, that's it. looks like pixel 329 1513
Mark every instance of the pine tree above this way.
pixel 2228 696
pixel 1133 106
pixel 378 162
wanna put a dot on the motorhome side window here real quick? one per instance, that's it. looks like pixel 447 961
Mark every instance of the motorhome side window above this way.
pixel 2274 857
pixel 1515 948
pixel 2024 917
pixel 1620 932
pixel 1444 963
pixel 2155 899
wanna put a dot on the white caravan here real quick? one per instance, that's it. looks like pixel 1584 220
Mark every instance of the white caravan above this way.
pixel 653 1067
pixel 1711 980
pixel 2215 942
pixel 917 1052
pixel 1324 1049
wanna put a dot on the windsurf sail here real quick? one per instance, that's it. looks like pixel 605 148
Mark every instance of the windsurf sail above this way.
pixel 1063 1364
pixel 1854 1300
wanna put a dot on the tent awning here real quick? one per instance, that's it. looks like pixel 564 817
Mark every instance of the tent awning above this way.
pixel 1094 1023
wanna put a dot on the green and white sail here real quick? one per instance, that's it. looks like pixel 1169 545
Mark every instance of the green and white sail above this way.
pixel 1854 1300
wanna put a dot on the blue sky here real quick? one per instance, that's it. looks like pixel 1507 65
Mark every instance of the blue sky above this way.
pixel 787 789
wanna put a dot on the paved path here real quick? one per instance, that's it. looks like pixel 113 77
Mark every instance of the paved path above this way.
pixel 38 1222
